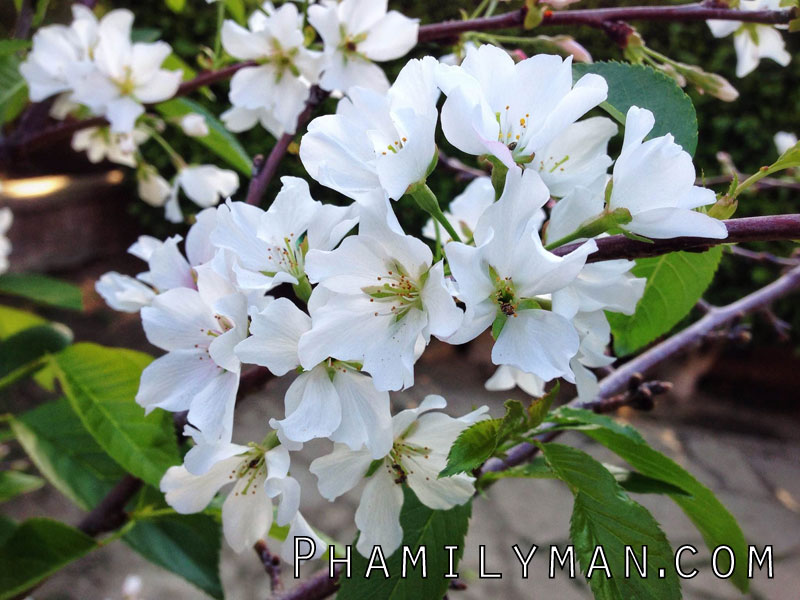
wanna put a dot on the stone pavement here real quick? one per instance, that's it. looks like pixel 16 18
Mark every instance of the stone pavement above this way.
pixel 756 476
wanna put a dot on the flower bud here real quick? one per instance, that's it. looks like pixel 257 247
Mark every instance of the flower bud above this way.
pixel 570 46
pixel 153 188
pixel 194 125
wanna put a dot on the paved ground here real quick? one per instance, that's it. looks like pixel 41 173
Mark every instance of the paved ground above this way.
pixel 746 450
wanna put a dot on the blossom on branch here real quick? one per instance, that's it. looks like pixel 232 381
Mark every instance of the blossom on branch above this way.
pixel 356 32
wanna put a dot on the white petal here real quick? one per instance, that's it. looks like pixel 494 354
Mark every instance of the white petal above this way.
pixel 340 471
pixel 275 333
pixel 246 514
pixel 391 37
pixel 188 493
pixel 675 222
pixel 313 409
pixel 378 514
pixel 366 418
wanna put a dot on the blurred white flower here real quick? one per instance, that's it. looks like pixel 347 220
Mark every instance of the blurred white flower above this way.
pixel 784 140
pixel 422 440
pixel 355 33
pixel 205 185
pixel 125 74
pixel 100 143
pixel 6 218
pixel 753 41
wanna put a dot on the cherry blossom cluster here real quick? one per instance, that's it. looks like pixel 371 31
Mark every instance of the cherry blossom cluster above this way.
pixel 370 296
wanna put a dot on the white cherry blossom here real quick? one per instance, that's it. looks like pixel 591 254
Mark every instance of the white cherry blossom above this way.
pixel 382 293
pixel 784 140
pixel 492 107
pixel 355 33
pixel 270 246
pixel 507 279
pixel 125 74
pixel 753 41
pixel 205 185
pixel 330 400
pixel 281 81
pixel 377 140
pixel 422 440
pixel 259 475
pixel 100 143
pixel 653 180
pixel 194 125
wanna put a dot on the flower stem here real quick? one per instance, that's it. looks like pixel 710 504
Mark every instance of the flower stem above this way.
pixel 218 39
pixel 428 202
pixel 600 224
pixel 302 289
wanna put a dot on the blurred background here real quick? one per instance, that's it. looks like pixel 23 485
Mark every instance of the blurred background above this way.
pixel 731 417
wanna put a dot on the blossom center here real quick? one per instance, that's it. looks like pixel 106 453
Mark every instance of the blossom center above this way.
pixel 286 256
pixel 394 461
pixel 512 129
pixel 395 290
pixel 253 467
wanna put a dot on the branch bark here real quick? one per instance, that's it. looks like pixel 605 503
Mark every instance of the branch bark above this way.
pixel 263 172
pixel 601 17
pixel 746 229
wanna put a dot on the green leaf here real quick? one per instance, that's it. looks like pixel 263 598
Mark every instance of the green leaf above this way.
pixel 567 417
pixel 675 282
pixel 514 421
pixel 422 526
pixel 13 89
pixel 13 320
pixel 173 62
pixel 188 545
pixel 42 289
pixel 636 483
pixel 22 353
pixel 14 483
pixel 65 453
pixel 637 85
pixel 101 385
pixel 41 11
pixel 713 521
pixel 787 160
pixel 38 548
pixel 535 469
pixel 219 140
pixel 145 34
pixel 539 407
pixel 12 46
pixel 472 447
pixel 237 10
pixel 7 527
pixel 176 6
pixel 604 516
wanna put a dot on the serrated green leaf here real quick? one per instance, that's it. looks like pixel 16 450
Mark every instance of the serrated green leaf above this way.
pixel 36 549
pixel 101 385
pixel 22 353
pixel 187 545
pixel 713 521
pixel 636 483
pixel 539 408
pixel 638 85
pixel 568 417
pixel 472 447
pixel 65 453
pixel 675 282
pixel 514 421
pixel 604 516
pixel 535 469
pixel 14 483
pixel 219 140
pixel 422 526
pixel 42 289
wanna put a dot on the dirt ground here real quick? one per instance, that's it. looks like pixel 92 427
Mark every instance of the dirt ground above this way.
pixel 731 420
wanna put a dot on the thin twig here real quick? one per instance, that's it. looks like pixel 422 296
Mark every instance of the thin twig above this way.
pixel 764 257
pixel 601 17
pixel 272 565
pixel 747 229
pixel 264 171
pixel 315 587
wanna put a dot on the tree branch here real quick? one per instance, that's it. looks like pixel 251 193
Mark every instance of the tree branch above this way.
pixel 272 565
pixel 601 17
pixel 263 172
pixel 747 229
pixel 110 514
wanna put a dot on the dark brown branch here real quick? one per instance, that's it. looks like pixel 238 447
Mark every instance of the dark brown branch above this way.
pixel 316 587
pixel 602 17
pixel 747 229
pixel 264 171
pixel 110 513
pixel 272 565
